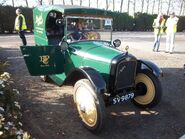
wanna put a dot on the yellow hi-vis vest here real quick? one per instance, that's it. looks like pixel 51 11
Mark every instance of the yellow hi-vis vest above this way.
pixel 158 28
pixel 171 25
pixel 24 27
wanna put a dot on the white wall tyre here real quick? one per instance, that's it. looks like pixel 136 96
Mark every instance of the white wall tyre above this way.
pixel 150 88
pixel 90 106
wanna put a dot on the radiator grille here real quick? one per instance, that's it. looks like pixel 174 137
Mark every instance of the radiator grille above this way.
pixel 125 74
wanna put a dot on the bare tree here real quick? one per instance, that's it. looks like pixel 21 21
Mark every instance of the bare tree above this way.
pixel 113 5
pixel 147 5
pixel 4 1
pixel 134 6
pixel 39 2
pixel 97 3
pixel 63 2
pixel 71 2
pixel 161 8
pixel 26 2
pixel 107 4
pixel 128 6
pixel 13 3
pixel 153 6
pixel 80 2
pixel 121 6
pixel 183 11
pixel 181 7
pixel 51 2
pixel 142 5
pixel 169 4
pixel 159 3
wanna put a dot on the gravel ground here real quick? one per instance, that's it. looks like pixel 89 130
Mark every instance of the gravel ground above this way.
pixel 49 112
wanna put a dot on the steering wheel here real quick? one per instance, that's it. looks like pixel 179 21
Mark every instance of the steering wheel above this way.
pixel 76 36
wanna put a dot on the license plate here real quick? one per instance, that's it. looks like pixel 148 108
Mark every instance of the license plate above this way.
pixel 122 98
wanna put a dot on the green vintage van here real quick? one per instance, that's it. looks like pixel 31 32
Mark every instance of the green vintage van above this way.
pixel 74 46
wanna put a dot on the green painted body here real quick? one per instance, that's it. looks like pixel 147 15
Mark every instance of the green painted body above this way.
pixel 40 15
pixel 94 54
pixel 98 57
pixel 87 54
pixel 36 59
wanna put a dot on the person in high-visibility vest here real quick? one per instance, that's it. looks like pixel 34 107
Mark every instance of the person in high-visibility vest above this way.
pixel 20 25
pixel 158 26
pixel 171 29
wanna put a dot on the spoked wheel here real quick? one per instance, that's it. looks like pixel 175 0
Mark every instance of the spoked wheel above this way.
pixel 90 105
pixel 148 88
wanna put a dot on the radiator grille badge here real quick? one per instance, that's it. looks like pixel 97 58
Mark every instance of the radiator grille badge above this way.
pixel 122 69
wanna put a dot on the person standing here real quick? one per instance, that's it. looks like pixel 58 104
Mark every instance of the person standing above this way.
pixel 20 25
pixel 158 26
pixel 171 29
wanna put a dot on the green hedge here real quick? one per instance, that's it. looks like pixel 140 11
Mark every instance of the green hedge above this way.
pixel 181 24
pixel 122 21
pixel 143 22
pixel 140 22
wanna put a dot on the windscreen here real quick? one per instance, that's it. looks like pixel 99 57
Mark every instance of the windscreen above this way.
pixel 88 28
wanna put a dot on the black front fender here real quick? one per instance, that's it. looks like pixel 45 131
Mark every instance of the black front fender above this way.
pixel 97 81
pixel 145 64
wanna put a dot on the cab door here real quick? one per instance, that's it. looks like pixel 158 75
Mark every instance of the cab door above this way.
pixel 43 60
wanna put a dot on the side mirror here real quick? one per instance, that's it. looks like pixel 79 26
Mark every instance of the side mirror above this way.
pixel 60 22
pixel 117 43
pixel 63 45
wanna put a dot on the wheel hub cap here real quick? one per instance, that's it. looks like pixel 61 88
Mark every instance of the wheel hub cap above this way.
pixel 86 106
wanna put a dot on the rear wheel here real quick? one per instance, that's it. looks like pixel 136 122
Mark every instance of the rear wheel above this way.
pixel 90 105
pixel 148 88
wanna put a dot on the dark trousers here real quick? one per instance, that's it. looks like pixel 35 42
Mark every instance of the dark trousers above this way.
pixel 22 36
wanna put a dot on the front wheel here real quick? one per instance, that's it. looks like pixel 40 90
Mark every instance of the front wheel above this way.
pixel 148 88
pixel 90 105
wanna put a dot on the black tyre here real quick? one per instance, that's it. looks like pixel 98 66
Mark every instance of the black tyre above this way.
pixel 90 106
pixel 149 88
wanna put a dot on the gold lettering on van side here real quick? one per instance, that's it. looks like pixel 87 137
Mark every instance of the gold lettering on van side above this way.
pixel 44 59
